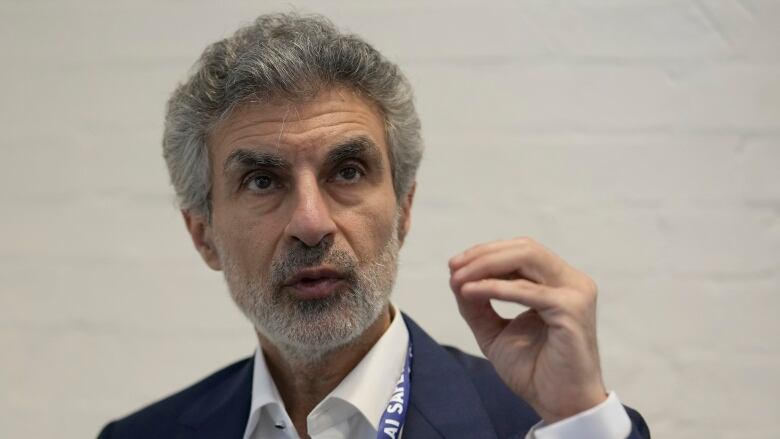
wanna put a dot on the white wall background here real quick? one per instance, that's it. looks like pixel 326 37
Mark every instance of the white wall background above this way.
pixel 638 139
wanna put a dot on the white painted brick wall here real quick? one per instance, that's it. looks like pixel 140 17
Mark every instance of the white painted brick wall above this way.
pixel 639 139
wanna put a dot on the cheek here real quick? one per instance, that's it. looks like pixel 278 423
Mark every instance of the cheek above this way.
pixel 368 230
pixel 249 243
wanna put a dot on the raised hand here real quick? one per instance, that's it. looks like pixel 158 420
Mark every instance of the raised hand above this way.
pixel 548 355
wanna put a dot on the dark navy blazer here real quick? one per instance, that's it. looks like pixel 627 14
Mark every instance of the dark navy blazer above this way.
pixel 453 395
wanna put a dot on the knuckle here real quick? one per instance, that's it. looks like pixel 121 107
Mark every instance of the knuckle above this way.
pixel 523 240
pixel 490 283
pixel 577 299
pixel 522 253
pixel 589 286
pixel 570 294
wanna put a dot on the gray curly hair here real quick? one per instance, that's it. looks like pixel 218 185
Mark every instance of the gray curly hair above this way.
pixel 289 56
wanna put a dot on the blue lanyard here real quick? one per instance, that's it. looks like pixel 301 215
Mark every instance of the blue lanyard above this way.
pixel 394 416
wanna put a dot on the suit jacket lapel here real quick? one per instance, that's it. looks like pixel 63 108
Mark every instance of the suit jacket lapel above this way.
pixel 443 399
pixel 223 411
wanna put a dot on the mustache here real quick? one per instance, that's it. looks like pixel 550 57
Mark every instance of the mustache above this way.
pixel 300 256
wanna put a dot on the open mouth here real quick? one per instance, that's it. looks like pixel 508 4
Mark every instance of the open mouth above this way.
pixel 315 283
pixel 312 280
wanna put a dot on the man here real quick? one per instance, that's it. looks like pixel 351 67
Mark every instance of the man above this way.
pixel 293 149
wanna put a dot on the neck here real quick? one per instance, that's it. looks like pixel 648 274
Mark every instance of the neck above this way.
pixel 303 384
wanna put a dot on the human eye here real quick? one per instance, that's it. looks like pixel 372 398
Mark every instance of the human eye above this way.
pixel 260 183
pixel 349 174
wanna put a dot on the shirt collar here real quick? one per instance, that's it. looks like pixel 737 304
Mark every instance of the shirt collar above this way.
pixel 365 390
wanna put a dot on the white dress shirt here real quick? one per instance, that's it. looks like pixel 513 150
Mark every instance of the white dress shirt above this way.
pixel 353 409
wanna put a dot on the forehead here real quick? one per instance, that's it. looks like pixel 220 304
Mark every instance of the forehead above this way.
pixel 299 130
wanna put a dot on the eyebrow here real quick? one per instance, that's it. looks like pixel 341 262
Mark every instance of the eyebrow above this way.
pixel 355 147
pixel 247 158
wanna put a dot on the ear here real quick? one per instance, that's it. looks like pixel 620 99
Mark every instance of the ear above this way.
pixel 406 212
pixel 200 232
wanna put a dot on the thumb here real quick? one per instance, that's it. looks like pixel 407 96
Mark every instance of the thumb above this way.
pixel 482 318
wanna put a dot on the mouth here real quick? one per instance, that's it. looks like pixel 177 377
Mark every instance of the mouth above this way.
pixel 315 283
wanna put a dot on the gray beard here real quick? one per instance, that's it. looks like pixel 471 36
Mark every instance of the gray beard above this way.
pixel 306 330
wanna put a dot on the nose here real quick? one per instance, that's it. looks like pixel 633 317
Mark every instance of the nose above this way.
pixel 311 220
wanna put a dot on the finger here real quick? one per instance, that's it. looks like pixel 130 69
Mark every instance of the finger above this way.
pixel 482 319
pixel 530 262
pixel 532 295
pixel 475 251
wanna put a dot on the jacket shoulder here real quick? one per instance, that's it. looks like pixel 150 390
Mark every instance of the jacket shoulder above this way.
pixel 507 412
pixel 161 418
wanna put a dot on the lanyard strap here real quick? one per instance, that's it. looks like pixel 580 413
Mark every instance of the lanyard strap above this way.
pixel 394 416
